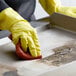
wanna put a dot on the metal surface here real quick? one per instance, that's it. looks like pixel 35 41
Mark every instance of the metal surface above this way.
pixel 5 69
pixel 49 39
pixel 11 73
pixel 67 70
pixel 4 34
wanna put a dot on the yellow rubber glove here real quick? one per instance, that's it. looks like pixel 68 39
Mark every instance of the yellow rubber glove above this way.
pixel 21 30
pixel 52 6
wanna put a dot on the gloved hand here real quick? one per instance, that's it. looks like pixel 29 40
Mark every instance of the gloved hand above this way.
pixel 21 31
pixel 52 6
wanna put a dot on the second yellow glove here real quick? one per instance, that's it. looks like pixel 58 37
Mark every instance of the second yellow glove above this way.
pixel 51 6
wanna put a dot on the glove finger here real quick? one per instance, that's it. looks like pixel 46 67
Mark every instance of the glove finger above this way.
pixel 32 47
pixel 24 42
pixel 15 38
pixel 36 42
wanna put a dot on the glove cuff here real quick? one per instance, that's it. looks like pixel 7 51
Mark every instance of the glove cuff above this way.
pixel 9 17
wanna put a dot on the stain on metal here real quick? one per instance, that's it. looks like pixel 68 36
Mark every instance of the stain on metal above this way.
pixel 62 55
